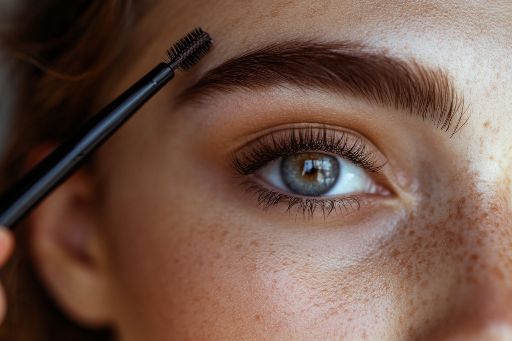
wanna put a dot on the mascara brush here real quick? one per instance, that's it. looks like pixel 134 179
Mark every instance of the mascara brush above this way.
pixel 19 200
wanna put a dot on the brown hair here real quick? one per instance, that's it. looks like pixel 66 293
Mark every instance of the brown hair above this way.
pixel 58 50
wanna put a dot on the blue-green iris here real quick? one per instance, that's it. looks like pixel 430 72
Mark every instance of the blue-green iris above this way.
pixel 310 173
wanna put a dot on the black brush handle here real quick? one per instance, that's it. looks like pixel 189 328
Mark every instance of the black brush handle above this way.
pixel 67 157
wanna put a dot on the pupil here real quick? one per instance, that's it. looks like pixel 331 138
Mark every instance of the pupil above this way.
pixel 310 174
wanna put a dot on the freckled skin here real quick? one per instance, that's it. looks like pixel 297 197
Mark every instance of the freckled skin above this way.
pixel 193 258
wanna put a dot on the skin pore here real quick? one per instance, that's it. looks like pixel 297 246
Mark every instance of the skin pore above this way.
pixel 161 241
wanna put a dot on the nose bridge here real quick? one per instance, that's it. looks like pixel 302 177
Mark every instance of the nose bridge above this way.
pixel 494 229
pixel 489 266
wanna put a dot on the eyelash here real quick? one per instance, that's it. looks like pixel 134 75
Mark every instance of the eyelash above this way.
pixel 294 140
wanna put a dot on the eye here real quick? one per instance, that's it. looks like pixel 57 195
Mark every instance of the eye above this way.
pixel 316 174
pixel 311 168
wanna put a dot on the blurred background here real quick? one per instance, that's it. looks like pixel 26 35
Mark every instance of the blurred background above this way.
pixel 5 101
pixel 6 79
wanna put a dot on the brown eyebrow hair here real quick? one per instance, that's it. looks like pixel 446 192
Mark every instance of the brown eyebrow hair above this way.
pixel 346 68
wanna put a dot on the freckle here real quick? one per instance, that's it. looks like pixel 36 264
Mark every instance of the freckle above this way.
pixel 409 271
pixel 487 124
pixel 258 317
pixel 434 245
pixel 499 274
pixel 469 268
pixel 491 158
pixel 386 286
pixel 213 235
pixel 414 310
pixel 395 253
pixel 410 332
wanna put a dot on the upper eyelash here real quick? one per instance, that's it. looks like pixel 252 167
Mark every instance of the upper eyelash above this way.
pixel 302 139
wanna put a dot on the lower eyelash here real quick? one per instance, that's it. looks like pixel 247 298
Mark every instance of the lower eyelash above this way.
pixel 268 198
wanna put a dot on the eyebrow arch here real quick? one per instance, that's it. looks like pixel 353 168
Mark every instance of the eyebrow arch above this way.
pixel 345 68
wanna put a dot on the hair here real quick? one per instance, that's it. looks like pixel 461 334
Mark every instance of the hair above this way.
pixel 58 51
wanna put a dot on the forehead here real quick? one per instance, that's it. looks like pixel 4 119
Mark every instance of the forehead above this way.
pixel 399 26
pixel 471 17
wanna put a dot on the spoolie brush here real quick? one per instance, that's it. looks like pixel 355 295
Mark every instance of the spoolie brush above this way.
pixel 60 164
pixel 189 50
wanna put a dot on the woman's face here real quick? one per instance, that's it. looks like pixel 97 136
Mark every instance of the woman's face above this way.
pixel 316 191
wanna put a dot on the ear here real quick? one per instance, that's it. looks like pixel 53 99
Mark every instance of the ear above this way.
pixel 68 248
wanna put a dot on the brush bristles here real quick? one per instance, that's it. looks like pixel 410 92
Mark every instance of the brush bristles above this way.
pixel 189 50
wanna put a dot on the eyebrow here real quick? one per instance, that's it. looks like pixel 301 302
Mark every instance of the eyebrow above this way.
pixel 345 68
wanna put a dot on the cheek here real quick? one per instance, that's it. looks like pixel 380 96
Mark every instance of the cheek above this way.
pixel 187 261
pixel 170 263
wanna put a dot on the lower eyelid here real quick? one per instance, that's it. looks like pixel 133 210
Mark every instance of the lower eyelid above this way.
pixel 267 198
